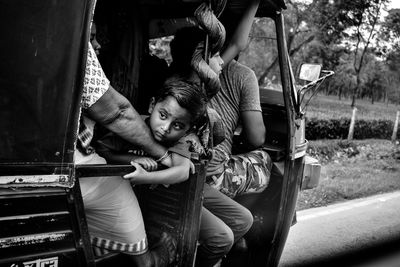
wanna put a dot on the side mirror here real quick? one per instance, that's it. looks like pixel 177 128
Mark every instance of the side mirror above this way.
pixel 310 72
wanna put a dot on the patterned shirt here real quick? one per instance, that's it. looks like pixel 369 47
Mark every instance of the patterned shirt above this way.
pixel 94 87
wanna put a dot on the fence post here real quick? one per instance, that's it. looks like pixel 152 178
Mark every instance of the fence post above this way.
pixel 396 125
pixel 352 123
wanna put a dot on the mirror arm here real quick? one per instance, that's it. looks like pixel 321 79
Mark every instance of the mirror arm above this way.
pixel 301 93
pixel 311 84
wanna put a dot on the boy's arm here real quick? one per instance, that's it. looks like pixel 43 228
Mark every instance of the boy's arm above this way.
pixel 178 172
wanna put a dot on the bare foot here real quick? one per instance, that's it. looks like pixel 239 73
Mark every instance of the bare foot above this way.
pixel 164 250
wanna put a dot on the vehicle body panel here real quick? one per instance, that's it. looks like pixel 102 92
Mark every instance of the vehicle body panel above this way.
pixel 42 63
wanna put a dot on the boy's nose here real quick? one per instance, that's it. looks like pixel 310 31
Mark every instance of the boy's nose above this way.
pixel 96 44
pixel 166 127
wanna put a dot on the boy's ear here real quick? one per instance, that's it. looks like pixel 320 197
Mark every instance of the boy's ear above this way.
pixel 151 105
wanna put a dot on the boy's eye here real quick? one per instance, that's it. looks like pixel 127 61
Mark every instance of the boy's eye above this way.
pixel 163 115
pixel 91 37
pixel 178 126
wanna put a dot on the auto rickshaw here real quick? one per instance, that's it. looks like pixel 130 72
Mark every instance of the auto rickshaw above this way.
pixel 42 60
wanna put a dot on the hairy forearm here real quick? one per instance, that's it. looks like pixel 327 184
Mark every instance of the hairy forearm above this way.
pixel 116 113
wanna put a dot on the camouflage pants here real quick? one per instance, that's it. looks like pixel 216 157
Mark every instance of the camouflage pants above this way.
pixel 244 173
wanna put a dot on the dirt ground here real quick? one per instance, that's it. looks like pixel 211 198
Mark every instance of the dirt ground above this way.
pixel 351 170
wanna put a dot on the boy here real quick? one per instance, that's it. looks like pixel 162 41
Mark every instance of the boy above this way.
pixel 174 115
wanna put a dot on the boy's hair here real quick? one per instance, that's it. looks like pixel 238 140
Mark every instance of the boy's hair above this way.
pixel 183 46
pixel 188 95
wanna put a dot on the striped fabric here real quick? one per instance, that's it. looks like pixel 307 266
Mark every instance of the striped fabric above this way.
pixel 85 136
pixel 102 246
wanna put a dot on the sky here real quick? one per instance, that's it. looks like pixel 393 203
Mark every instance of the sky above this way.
pixel 394 4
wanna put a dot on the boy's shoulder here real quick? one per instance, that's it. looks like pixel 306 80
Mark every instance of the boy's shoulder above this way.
pixel 237 70
pixel 189 146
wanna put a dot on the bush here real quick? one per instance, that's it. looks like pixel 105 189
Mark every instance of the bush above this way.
pixel 326 151
pixel 339 129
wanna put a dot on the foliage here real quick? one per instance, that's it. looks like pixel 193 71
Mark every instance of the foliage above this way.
pixel 329 118
pixel 160 48
pixel 340 35
pixel 373 82
pixel 326 151
pixel 327 107
pixel 339 128
pixel 352 38
pixel 372 168
pixel 261 54
pixel 390 30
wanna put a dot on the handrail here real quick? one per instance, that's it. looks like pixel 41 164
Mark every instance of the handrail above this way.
pixel 94 170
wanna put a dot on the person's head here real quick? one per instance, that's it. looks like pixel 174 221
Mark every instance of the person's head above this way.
pixel 93 40
pixel 183 46
pixel 175 110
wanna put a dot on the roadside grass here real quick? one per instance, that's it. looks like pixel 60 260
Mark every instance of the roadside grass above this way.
pixel 330 107
pixel 352 170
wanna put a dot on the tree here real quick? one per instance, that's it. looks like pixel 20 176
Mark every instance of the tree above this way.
pixel 364 16
pixel 390 51
pixel 374 84
pixel 344 77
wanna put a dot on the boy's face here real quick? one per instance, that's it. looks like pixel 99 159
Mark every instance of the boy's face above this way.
pixel 215 63
pixel 95 44
pixel 168 120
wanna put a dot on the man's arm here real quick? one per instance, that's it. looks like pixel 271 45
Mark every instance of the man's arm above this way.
pixel 250 111
pixel 253 128
pixel 115 112
pixel 239 38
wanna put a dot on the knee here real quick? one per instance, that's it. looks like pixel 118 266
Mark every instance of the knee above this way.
pixel 220 242
pixel 244 221
pixel 247 219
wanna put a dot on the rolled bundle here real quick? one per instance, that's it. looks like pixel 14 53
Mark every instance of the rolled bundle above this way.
pixel 207 75
pixel 216 32
pixel 212 26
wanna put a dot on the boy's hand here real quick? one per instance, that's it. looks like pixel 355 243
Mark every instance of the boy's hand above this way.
pixel 138 176
pixel 148 164
pixel 192 168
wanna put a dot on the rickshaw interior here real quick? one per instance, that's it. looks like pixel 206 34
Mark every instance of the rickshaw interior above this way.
pixel 124 29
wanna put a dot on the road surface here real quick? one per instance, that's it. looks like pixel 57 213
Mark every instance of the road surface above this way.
pixel 363 233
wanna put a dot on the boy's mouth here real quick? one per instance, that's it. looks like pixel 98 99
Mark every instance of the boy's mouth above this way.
pixel 159 135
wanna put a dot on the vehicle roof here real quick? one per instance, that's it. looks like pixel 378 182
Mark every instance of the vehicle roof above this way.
pixel 169 12
pixel 184 8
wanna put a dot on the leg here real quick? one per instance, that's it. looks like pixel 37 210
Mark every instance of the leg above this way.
pixel 244 173
pixel 115 222
pixel 160 255
pixel 216 239
pixel 223 222
pixel 234 215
